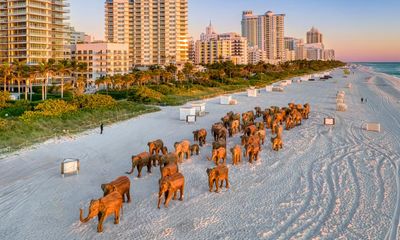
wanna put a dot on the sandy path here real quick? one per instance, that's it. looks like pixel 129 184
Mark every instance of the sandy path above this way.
pixel 328 182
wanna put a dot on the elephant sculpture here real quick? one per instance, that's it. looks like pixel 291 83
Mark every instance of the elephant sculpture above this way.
pixel 102 208
pixel 218 144
pixel 279 131
pixel 167 159
pixel 306 110
pixel 155 146
pixel 252 151
pixel 217 155
pixel 182 148
pixel 217 176
pixel 262 134
pixel 220 133
pixel 201 136
pixel 258 111
pixel 122 185
pixel 215 129
pixel 269 120
pixel 251 130
pixel 289 122
pixel 169 170
pixel 291 105
pixel 225 120
pixel 277 143
pixel 169 187
pixel 236 154
pixel 296 117
pixel 194 149
pixel 139 161
pixel 260 125
pixel 234 127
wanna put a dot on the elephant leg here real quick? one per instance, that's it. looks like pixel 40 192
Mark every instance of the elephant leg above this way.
pixel 181 192
pixel 175 195
pixel 149 167
pixel 227 182
pixel 128 195
pixel 139 168
pixel 116 216
pixel 168 198
pixel 100 225
pixel 99 216
pixel 222 183
pixel 217 185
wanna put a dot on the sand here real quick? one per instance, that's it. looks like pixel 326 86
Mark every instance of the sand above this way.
pixel 329 182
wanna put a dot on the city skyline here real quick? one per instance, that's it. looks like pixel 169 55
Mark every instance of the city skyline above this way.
pixel 352 29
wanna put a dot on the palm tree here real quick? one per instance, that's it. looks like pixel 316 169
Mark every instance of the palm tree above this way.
pixel 64 68
pixel 20 70
pixel 46 69
pixel 6 69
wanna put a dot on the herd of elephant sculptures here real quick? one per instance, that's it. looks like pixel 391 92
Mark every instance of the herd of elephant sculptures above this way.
pixel 172 181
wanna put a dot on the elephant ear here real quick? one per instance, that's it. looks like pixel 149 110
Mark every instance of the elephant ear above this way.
pixel 208 171
pixel 148 144
pixel 103 186
pixel 114 188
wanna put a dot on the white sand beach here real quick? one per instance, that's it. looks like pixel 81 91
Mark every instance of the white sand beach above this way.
pixel 328 182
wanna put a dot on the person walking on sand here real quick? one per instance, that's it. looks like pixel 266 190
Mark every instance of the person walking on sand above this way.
pixel 101 128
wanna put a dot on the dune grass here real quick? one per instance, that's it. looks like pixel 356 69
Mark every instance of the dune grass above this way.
pixel 19 134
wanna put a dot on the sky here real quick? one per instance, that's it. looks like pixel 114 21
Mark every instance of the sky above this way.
pixel 359 30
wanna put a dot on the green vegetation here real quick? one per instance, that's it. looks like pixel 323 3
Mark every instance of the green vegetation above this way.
pixel 19 132
pixel 154 86
pixel 62 108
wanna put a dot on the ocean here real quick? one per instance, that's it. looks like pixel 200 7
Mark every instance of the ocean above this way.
pixel 391 68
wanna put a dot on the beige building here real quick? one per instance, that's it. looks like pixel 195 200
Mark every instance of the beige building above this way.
pixel 329 54
pixel 314 36
pixel 156 30
pixel 220 48
pixel 34 30
pixel 256 55
pixel 103 58
pixel 269 31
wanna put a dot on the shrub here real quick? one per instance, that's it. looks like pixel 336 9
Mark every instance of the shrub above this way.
pixel 4 97
pixel 146 95
pixel 93 101
pixel 16 109
pixel 49 108
pixel 3 124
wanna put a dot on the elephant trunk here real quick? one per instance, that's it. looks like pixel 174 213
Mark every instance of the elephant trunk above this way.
pixel 81 216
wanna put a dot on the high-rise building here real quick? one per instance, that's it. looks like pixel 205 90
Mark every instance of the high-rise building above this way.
pixel 329 54
pixel 250 28
pixel 34 30
pixel 191 50
pixel 314 36
pixel 266 32
pixel 221 47
pixel 156 30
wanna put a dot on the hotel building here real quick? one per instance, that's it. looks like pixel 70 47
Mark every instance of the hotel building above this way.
pixel 314 36
pixel 266 32
pixel 34 30
pixel 155 30
pixel 215 47
pixel 102 58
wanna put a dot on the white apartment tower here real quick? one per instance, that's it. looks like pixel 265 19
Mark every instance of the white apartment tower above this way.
pixel 33 30
pixel 249 28
pixel 156 30
pixel 265 32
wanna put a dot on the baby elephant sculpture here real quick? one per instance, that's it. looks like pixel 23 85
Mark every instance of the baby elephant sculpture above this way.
pixel 236 154
pixel 139 161
pixel 121 184
pixel 201 136
pixel 167 159
pixel 276 143
pixel 155 146
pixel 182 148
pixel 194 149
pixel 217 155
pixel 217 176
pixel 252 151
pixel 169 186
pixel 102 208
pixel 169 170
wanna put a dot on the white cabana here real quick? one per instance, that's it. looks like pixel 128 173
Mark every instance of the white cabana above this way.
pixel 375 127
pixel 186 111
pixel 200 108
pixel 277 89
pixel 268 88
pixel 252 92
